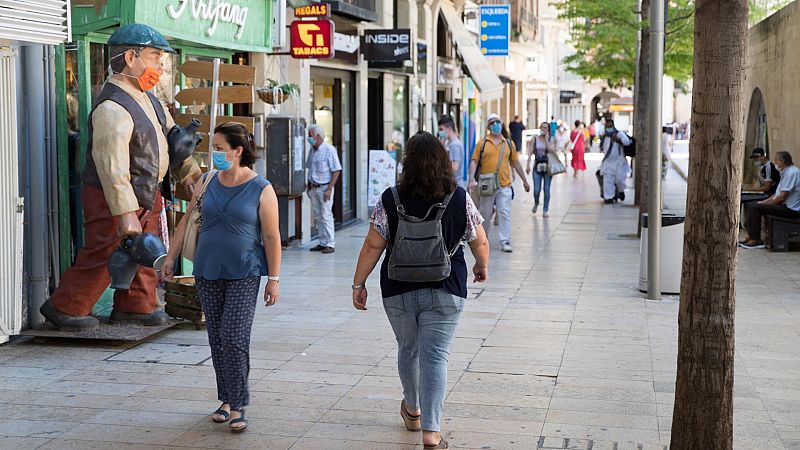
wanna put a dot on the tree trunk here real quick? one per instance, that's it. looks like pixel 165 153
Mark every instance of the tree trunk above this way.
pixel 641 108
pixel 703 414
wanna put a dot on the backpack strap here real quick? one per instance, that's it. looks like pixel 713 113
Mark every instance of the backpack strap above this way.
pixel 480 160
pixel 397 204
pixel 442 206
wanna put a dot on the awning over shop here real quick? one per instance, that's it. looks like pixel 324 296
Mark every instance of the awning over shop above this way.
pixel 479 69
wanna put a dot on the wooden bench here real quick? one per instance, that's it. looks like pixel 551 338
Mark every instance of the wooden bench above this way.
pixel 782 230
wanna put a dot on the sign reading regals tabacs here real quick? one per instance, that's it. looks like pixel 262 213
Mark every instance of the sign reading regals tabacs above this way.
pixel 386 48
pixel 312 39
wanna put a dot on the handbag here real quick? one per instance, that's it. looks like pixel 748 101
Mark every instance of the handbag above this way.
pixel 489 183
pixel 554 165
pixel 194 221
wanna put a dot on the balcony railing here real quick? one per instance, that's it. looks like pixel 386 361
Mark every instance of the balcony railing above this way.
pixel 356 9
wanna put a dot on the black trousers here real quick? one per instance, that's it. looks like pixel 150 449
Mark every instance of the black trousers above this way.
pixel 756 212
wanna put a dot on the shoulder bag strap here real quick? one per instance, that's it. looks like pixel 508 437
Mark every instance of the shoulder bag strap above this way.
pixel 500 159
pixel 610 147
pixel 578 134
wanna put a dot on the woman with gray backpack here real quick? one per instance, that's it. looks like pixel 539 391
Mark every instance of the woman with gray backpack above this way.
pixel 422 224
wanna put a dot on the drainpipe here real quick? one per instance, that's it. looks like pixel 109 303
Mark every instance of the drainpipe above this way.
pixel 32 84
pixel 51 152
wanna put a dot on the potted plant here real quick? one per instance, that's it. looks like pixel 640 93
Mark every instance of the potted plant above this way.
pixel 275 93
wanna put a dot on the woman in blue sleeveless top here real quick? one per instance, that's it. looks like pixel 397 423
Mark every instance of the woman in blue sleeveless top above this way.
pixel 238 243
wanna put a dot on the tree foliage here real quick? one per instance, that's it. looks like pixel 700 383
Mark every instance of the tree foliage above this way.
pixel 761 9
pixel 604 35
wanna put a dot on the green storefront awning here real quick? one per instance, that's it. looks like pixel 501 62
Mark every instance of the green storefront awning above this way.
pixel 242 25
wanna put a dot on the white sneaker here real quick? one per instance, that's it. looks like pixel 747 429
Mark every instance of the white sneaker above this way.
pixel 535 208
pixel 506 247
pixel 546 214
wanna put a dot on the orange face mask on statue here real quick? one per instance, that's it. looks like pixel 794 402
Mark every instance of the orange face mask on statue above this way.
pixel 148 79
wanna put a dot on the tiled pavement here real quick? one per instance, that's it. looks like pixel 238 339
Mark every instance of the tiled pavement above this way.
pixel 559 350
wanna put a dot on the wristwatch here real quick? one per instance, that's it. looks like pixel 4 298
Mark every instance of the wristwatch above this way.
pixel 358 287
pixel 275 279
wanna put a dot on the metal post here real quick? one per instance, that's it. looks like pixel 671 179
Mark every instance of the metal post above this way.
pixel 654 169
pixel 213 111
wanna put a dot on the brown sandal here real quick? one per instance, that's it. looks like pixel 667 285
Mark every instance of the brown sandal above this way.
pixel 442 444
pixel 412 422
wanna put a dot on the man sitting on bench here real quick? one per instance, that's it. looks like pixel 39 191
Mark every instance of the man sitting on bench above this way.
pixel 785 202
pixel 768 175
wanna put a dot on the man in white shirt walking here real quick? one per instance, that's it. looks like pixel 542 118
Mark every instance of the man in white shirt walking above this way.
pixel 615 167
pixel 324 169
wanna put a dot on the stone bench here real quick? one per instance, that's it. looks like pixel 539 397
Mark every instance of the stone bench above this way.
pixel 782 230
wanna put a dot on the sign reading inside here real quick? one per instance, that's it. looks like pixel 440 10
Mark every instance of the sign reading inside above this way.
pixel 387 46
pixel 313 10
pixel 495 29
pixel 312 39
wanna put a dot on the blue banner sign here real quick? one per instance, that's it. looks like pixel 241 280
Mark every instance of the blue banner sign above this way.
pixel 495 29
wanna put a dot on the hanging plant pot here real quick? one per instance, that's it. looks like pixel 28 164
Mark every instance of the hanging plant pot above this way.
pixel 271 96
pixel 274 93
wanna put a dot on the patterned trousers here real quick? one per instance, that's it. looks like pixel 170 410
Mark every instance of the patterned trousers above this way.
pixel 229 306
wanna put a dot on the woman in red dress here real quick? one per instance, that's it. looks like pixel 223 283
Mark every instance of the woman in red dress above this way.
pixel 576 137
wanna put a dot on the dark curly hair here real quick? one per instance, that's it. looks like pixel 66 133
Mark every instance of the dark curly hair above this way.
pixel 427 173
pixel 236 135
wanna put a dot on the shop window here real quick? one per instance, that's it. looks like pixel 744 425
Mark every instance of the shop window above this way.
pixel 98 66
pixel 443 40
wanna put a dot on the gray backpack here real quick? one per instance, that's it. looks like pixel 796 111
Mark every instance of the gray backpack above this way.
pixel 419 253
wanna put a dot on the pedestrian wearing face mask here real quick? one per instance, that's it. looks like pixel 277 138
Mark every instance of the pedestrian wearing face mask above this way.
pixel 448 136
pixel 239 242
pixel 537 154
pixel 324 169
pixel 614 167
pixel 132 142
pixel 768 175
pixel 490 174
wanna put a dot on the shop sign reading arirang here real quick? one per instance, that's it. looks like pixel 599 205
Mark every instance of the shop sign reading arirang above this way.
pixel 239 25
pixel 213 11
pixel 312 39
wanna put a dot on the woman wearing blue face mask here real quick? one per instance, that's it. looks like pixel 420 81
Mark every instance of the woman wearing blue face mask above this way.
pixel 537 154
pixel 239 242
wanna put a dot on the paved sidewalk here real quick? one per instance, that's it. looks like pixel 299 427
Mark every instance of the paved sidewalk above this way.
pixel 558 350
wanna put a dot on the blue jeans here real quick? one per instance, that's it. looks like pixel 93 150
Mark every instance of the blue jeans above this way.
pixel 424 322
pixel 537 188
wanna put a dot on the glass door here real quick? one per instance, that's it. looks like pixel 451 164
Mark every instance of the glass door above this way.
pixel 332 109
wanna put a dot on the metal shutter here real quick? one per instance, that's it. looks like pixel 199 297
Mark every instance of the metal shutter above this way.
pixel 36 21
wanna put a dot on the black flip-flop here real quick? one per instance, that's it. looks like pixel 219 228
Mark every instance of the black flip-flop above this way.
pixel 238 420
pixel 221 412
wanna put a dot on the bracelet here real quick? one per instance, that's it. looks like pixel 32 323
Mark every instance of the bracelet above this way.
pixel 358 287
pixel 275 279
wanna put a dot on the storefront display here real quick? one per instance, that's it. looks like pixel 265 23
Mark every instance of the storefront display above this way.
pixel 197 30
